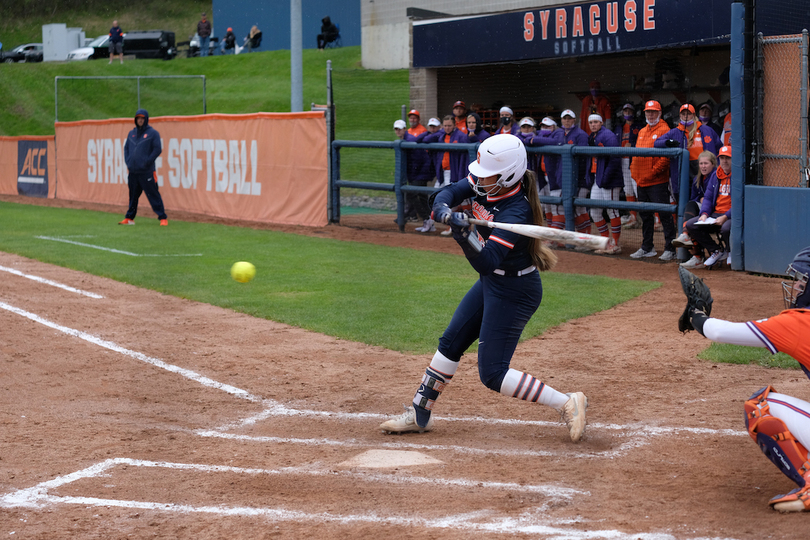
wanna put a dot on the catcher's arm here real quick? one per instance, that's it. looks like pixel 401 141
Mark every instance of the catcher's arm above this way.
pixel 698 302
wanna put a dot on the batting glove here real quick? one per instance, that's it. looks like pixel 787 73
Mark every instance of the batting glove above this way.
pixel 442 214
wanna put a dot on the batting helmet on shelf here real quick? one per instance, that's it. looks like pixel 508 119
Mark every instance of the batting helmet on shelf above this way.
pixel 503 155
pixel 795 291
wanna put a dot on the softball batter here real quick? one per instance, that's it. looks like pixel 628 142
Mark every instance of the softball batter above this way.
pixel 780 424
pixel 498 306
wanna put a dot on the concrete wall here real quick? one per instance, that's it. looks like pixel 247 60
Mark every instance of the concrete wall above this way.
pixel 386 27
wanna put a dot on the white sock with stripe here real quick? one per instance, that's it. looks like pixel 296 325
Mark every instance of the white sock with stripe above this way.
pixel 523 386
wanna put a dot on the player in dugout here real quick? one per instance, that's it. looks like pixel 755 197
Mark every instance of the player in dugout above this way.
pixel 508 292
pixel 778 423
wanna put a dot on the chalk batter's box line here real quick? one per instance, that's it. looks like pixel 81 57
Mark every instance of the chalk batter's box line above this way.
pixel 113 250
pixel 50 282
pixel 534 521
pixel 275 408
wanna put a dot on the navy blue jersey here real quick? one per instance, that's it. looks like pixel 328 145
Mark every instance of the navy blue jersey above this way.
pixel 502 249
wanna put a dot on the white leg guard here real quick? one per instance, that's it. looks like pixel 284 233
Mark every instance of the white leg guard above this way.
pixel 523 386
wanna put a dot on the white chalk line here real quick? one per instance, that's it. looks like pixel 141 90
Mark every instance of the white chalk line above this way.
pixel 113 250
pixel 49 282
pixel 187 373
pixel 636 436
pixel 278 409
pixel 479 521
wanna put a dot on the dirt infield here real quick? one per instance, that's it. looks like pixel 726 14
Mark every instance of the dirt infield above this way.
pixel 142 415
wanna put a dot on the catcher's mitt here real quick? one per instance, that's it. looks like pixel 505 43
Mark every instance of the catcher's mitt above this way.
pixel 698 298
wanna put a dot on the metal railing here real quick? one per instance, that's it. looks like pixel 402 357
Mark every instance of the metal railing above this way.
pixel 570 184
pixel 136 77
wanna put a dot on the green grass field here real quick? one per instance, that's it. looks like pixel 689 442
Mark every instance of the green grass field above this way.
pixel 396 298
pixel 737 354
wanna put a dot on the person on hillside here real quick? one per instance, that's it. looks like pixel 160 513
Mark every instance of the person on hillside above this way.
pixel 329 32
pixel 228 42
pixel 140 152
pixel 116 42
pixel 504 297
pixel 254 39
pixel 204 31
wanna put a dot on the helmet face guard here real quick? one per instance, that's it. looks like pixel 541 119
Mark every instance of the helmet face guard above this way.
pixel 794 290
pixel 503 156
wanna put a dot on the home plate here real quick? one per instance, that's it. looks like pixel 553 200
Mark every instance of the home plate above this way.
pixel 389 458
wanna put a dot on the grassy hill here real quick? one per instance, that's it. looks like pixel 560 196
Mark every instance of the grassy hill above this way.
pixel 178 16
pixel 367 102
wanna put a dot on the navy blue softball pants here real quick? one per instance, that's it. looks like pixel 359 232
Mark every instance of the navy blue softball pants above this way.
pixel 144 183
pixel 494 311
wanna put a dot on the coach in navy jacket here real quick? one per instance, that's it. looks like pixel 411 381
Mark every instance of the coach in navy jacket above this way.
pixel 140 152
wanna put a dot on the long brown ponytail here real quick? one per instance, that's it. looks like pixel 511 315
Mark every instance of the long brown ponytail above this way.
pixel 542 256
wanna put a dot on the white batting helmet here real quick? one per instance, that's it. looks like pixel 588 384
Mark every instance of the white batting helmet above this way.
pixel 503 155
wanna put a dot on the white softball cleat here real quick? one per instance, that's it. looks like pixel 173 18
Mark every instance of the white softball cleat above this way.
pixel 573 414
pixel 405 423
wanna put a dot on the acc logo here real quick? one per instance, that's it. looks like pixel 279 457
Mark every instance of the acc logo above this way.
pixel 32 168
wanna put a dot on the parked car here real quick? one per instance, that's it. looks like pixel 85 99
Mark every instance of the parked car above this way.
pixel 150 44
pixel 98 48
pixel 30 52
pixel 147 44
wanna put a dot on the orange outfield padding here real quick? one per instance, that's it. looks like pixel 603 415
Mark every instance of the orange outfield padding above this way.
pixel 28 166
pixel 268 167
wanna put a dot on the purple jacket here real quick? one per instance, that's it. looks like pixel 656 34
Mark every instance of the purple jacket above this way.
pixel 698 191
pixel 553 162
pixel 711 142
pixel 710 199
pixel 514 130
pixel 458 160
pixel 578 137
pixel 420 166
pixel 608 168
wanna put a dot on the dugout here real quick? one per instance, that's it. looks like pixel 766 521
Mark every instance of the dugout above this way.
pixel 541 61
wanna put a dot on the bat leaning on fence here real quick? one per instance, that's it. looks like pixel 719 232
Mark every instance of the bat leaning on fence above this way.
pixel 547 233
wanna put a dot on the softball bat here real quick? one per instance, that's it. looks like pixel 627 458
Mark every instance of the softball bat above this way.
pixel 547 233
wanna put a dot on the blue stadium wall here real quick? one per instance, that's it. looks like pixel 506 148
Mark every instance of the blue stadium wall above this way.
pixel 273 19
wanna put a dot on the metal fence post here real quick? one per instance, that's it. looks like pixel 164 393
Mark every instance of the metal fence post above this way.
pixel 335 191
pixel 56 99
pixel 569 184
pixel 803 181
pixel 139 92
pixel 400 164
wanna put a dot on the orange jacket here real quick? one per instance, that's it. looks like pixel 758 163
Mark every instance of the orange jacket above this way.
pixel 650 171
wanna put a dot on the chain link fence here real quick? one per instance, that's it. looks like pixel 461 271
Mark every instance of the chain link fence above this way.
pixel 781 149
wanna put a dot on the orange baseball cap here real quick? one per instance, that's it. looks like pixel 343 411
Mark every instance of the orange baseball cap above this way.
pixel 459 103
pixel 414 111
pixel 652 105
pixel 687 107
pixel 725 151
